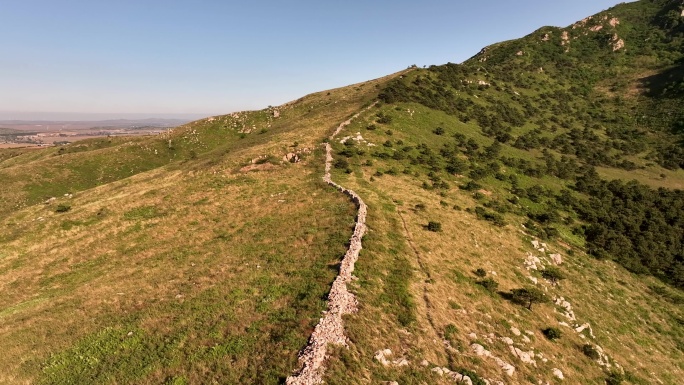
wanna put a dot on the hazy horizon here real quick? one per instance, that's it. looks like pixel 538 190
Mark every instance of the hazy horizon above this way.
pixel 96 116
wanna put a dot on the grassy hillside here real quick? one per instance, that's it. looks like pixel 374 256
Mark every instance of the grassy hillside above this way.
pixel 524 226
pixel 591 100
pixel 212 265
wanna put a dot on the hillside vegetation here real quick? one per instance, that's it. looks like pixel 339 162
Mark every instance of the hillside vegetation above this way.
pixel 603 93
pixel 524 225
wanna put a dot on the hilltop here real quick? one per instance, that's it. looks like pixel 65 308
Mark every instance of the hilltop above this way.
pixel 523 216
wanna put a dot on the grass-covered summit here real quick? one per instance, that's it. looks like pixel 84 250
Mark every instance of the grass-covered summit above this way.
pixel 602 94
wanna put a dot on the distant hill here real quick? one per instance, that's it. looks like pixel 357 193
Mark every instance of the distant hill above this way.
pixel 43 125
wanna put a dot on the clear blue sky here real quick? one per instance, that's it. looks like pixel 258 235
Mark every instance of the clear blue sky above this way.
pixel 162 58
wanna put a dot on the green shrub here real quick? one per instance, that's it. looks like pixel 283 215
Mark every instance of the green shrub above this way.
pixel 480 272
pixel 527 296
pixel 384 118
pixel 553 274
pixel 615 378
pixel 434 226
pixel 62 208
pixel 489 283
pixel 590 351
pixel 552 333
pixel 341 163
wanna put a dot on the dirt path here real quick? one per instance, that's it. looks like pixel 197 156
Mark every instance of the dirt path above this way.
pixel 330 328
pixel 426 277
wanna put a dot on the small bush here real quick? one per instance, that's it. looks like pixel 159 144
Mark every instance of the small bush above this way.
pixel 480 272
pixel 383 118
pixel 552 333
pixel 615 378
pixel 553 274
pixel 341 163
pixel 371 127
pixel 590 351
pixel 471 186
pixel 62 208
pixel 434 226
pixel 438 131
pixel 489 283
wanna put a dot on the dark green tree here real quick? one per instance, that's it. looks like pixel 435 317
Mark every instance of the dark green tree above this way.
pixel 527 296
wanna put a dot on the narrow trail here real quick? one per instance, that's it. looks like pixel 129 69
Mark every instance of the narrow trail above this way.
pixel 425 271
pixel 330 328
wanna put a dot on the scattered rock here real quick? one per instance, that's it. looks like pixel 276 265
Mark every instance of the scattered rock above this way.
pixel 583 327
pixel 580 329
pixel 382 357
pixel 617 43
pixel 526 357
pixel 531 262
pixel 458 377
pixel 558 373
pixel 569 314
pixel 481 351
pixel 515 331
pixel 291 157
pixel 556 258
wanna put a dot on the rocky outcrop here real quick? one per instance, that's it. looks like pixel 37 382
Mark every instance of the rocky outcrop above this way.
pixel 557 373
pixel 505 366
pixel 458 377
pixel 330 328
pixel 382 356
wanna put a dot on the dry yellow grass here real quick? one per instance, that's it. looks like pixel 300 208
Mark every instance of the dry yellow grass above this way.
pixel 633 326
pixel 149 253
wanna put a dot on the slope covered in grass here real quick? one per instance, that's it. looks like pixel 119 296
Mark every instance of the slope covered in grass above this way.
pixel 505 239
pixel 212 265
